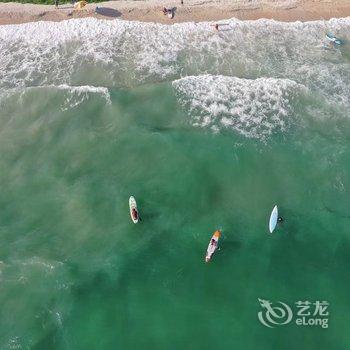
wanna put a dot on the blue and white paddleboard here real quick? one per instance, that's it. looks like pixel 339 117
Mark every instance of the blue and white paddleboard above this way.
pixel 273 219
pixel 333 39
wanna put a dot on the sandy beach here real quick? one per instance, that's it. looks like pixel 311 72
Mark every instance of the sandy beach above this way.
pixel 189 10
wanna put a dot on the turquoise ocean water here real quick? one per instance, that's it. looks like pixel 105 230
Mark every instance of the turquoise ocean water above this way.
pixel 208 131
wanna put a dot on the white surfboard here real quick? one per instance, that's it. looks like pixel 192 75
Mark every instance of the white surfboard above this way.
pixel 133 205
pixel 333 39
pixel 273 219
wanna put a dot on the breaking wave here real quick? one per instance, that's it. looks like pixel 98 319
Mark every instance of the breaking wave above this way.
pixel 254 108
pixel 121 54
pixel 68 96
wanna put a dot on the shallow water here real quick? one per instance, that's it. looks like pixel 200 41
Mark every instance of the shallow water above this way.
pixel 207 133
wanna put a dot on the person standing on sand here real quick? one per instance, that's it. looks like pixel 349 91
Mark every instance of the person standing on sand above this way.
pixel 56 4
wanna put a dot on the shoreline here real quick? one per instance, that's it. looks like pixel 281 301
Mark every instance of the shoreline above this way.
pixel 190 11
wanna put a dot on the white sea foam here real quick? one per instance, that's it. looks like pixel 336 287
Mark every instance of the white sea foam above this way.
pixel 21 271
pixel 123 53
pixel 14 343
pixel 47 266
pixel 41 278
pixel 72 95
pixel 78 94
pixel 254 108
pixel 92 52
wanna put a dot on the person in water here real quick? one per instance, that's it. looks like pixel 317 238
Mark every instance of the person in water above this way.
pixel 280 219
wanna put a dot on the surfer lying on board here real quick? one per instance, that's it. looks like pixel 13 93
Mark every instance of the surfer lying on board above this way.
pixel 134 213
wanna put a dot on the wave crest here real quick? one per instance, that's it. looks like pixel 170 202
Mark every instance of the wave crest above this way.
pixel 69 96
pixel 253 108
